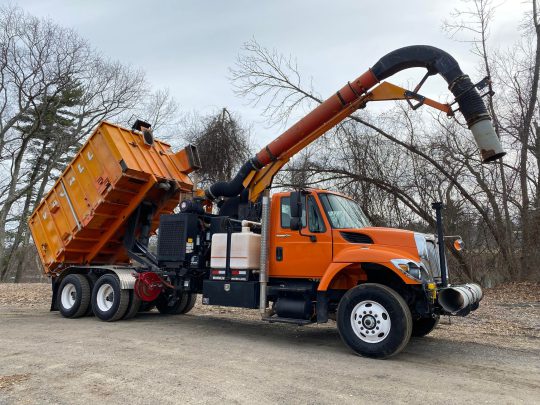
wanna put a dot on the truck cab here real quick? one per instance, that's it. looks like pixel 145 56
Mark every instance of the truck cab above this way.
pixel 333 246
pixel 334 239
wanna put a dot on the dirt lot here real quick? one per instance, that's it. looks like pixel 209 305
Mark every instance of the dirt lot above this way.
pixel 219 355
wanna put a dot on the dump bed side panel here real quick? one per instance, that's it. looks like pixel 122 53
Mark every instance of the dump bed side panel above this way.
pixel 82 218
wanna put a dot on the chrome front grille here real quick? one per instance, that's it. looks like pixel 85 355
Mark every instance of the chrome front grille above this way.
pixel 432 262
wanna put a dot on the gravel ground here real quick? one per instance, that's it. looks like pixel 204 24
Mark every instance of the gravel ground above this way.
pixel 226 355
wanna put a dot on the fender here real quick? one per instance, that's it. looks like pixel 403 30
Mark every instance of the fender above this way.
pixel 366 254
pixel 124 273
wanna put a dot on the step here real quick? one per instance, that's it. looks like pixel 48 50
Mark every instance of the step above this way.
pixel 277 319
pixel 273 289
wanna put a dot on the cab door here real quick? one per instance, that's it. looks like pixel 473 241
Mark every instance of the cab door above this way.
pixel 305 253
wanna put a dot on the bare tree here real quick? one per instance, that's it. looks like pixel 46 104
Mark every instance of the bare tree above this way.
pixel 223 145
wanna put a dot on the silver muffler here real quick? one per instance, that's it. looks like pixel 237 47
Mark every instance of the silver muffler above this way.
pixel 460 299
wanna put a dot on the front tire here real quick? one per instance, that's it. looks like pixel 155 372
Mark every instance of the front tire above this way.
pixel 109 301
pixel 424 326
pixel 73 296
pixel 374 321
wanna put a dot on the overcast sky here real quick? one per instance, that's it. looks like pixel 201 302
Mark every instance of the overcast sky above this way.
pixel 188 46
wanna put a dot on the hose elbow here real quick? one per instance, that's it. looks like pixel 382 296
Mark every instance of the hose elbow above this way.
pixel 471 105
pixel 235 186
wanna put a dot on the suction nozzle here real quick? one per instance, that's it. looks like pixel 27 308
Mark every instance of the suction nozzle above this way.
pixel 487 140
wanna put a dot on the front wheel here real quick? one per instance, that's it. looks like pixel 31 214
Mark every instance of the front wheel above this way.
pixel 374 321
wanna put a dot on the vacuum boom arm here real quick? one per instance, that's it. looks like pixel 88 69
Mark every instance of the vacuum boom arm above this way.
pixel 257 173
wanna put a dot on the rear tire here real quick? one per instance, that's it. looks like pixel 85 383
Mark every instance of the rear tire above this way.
pixel 147 306
pixel 109 301
pixel 424 326
pixel 73 296
pixel 374 321
pixel 191 303
pixel 182 305
pixel 92 278
pixel 134 305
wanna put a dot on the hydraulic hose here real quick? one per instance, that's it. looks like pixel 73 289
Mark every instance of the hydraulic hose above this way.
pixel 434 59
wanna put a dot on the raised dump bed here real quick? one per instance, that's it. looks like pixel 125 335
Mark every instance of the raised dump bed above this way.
pixel 82 219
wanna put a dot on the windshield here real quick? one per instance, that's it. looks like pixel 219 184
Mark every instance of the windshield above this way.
pixel 343 212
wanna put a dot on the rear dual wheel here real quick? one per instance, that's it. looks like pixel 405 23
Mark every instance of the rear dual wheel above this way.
pixel 182 305
pixel 78 297
pixel 73 296
pixel 109 301
pixel 134 305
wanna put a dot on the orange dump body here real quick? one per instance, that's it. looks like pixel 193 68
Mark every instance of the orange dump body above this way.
pixel 82 219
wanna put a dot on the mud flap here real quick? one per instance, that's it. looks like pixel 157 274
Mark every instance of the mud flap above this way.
pixel 322 307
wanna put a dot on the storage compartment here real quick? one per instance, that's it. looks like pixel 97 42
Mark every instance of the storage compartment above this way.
pixel 242 294
pixel 245 250
pixel 82 219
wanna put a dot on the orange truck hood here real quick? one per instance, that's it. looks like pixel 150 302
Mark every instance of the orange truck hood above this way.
pixel 388 243
pixel 388 236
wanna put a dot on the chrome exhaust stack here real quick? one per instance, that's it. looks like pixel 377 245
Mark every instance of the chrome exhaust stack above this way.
pixel 460 299
pixel 265 231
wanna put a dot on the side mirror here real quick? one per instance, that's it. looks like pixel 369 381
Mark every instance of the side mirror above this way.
pixel 296 210
pixel 296 204
pixel 296 223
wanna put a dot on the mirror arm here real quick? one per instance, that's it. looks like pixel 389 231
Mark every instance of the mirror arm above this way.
pixel 312 238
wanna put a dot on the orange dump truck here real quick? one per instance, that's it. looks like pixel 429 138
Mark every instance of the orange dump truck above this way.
pixel 300 256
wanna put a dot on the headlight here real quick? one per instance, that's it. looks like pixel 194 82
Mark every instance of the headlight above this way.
pixel 409 267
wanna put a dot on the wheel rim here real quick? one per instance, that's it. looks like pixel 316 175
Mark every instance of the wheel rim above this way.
pixel 370 321
pixel 105 297
pixel 69 296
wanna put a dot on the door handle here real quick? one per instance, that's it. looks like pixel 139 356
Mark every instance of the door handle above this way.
pixel 279 254
pixel 283 235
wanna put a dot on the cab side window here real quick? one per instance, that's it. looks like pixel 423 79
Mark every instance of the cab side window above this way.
pixel 286 213
pixel 315 221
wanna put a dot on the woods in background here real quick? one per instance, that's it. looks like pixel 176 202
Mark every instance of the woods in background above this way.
pixel 397 163
pixel 54 89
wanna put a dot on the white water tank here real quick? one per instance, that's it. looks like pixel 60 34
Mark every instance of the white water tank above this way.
pixel 245 250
